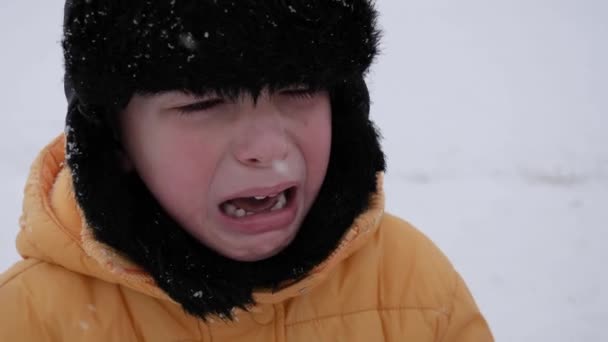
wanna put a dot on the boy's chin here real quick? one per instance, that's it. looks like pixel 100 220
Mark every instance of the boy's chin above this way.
pixel 254 256
pixel 264 246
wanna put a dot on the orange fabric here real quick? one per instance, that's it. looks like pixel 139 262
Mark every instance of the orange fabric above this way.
pixel 386 282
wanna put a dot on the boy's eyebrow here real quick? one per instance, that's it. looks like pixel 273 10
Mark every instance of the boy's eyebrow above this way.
pixel 231 94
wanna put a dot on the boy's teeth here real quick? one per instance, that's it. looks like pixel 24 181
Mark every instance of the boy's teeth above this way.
pixel 230 209
pixel 234 211
pixel 264 197
pixel 280 202
pixel 240 212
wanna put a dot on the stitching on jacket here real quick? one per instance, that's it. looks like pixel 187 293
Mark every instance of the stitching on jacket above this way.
pixel 404 308
pixel 200 332
pixel 456 284
pixel 136 330
pixel 45 328
pixel 20 272
pixel 51 260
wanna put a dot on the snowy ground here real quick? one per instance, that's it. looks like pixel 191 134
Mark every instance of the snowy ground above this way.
pixel 495 117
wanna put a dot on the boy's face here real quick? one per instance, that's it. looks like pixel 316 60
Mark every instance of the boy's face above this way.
pixel 237 175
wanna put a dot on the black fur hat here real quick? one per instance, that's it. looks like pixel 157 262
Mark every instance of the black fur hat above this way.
pixel 114 49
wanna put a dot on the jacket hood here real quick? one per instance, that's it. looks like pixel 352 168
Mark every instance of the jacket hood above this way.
pixel 53 230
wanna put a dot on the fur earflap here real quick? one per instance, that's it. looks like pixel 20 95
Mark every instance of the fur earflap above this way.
pixel 114 49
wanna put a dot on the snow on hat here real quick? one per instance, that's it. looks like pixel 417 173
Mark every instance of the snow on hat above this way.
pixel 114 48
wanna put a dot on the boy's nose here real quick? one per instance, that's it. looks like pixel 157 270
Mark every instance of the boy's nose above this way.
pixel 264 139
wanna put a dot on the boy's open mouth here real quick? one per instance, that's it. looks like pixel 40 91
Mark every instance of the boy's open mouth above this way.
pixel 248 206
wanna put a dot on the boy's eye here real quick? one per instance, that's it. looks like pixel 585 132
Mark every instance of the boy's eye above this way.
pixel 304 93
pixel 200 106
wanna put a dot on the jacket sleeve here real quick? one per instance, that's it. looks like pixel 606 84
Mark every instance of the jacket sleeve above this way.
pixel 465 322
pixel 19 319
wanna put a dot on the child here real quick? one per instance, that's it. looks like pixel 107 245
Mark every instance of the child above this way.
pixel 219 180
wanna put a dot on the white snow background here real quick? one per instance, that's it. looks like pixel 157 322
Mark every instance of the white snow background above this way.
pixel 495 119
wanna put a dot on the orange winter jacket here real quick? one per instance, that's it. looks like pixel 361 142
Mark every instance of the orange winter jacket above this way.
pixel 385 282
